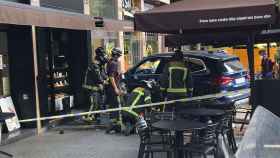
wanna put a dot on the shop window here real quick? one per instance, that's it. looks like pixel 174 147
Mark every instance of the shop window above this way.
pixel 132 48
pixel 107 40
pixel 151 44
pixel 104 8
pixel 59 71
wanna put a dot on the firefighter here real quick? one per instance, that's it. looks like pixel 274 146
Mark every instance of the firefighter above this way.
pixel 138 96
pixel 277 64
pixel 113 91
pixel 176 81
pixel 95 80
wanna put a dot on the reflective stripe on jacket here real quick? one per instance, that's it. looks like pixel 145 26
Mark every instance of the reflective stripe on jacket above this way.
pixel 138 96
pixel 176 78
pixel 95 76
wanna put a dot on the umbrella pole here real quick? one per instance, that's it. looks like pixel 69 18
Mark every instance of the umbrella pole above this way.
pixel 250 50
pixel 268 49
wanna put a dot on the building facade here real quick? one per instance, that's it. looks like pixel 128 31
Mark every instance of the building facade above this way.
pixel 43 60
pixel 135 45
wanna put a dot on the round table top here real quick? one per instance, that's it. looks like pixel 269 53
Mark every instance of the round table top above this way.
pixel 202 112
pixel 179 125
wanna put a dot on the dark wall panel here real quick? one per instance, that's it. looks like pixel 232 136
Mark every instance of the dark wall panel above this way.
pixel 78 56
pixel 267 94
pixel 22 70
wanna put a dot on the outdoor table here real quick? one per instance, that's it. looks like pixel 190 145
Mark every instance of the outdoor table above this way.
pixel 3 117
pixel 179 126
pixel 202 112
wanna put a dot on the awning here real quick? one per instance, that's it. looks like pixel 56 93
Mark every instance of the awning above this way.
pixel 206 14
pixel 222 38
pixel 22 14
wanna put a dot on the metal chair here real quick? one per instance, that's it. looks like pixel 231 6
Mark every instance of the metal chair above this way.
pixel 157 116
pixel 204 142
pixel 245 121
pixel 149 146
pixel 225 128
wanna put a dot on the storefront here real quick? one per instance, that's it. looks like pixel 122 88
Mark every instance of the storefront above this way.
pixel 152 45
pixel 128 41
pixel 63 59
pixel 102 38
pixel 132 49
pixel 43 60
pixel 133 41
pixel 49 59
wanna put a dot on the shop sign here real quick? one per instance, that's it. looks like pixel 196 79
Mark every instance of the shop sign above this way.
pixel 6 105
pixel 127 4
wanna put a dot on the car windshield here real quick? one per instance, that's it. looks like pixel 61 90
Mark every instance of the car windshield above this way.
pixel 232 66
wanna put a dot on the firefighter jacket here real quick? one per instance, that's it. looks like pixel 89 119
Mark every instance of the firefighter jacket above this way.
pixel 176 78
pixel 138 96
pixel 95 77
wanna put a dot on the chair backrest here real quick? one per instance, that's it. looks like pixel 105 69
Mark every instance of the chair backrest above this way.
pixel 144 135
pixel 142 129
pixel 208 135
pixel 227 120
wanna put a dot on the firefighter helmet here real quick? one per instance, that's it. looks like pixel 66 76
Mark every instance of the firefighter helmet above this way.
pixel 116 52
pixel 101 55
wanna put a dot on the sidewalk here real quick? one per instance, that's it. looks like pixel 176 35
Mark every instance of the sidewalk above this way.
pixel 75 144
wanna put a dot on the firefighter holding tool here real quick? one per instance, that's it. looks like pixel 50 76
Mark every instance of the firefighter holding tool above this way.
pixel 95 80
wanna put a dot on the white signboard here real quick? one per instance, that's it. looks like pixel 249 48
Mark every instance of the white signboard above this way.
pixel 6 105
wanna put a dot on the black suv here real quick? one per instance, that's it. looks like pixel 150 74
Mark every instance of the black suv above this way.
pixel 212 73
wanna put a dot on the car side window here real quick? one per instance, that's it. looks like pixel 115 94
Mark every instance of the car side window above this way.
pixel 196 65
pixel 148 67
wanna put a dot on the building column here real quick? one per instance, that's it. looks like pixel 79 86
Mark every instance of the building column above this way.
pixel 120 35
pixel 161 44
pixel 142 35
pixel 89 33
pixel 34 45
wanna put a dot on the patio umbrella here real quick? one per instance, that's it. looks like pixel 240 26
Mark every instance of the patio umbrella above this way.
pixel 206 16
pixel 191 15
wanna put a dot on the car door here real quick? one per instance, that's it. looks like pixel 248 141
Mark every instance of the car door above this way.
pixel 145 70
